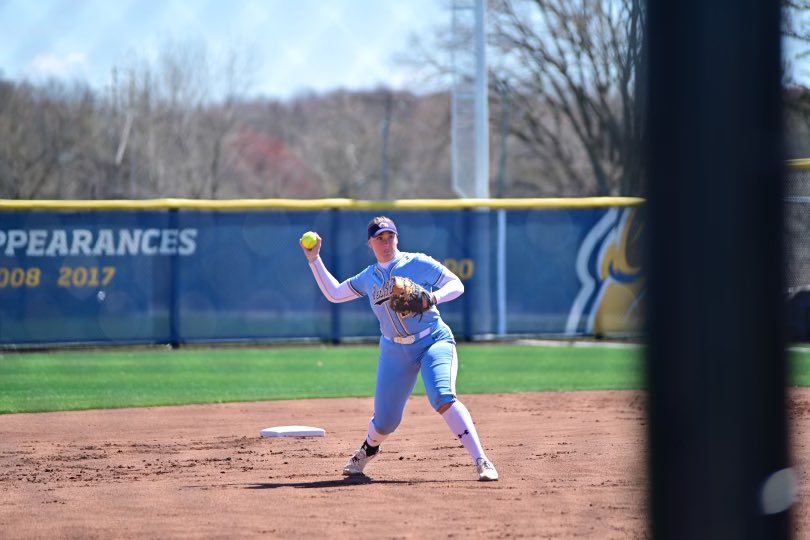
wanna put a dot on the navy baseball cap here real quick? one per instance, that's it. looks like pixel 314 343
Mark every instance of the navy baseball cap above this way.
pixel 376 229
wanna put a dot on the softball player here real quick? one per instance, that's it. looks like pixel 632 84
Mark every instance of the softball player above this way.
pixel 408 345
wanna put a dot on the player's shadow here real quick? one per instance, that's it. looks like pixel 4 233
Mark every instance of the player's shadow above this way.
pixel 343 482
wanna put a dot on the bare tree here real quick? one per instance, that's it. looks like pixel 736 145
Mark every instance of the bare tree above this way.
pixel 566 94
pixel 796 33
pixel 44 132
pixel 379 144
pixel 796 29
pixel 174 119
pixel 25 142
pixel 419 147
pixel 574 70
pixel 566 91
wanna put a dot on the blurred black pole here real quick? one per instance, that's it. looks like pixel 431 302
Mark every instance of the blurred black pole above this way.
pixel 716 352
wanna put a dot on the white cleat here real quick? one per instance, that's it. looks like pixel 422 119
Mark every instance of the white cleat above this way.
pixel 358 462
pixel 486 470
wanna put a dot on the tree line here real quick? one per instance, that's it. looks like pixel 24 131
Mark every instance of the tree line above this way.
pixel 566 120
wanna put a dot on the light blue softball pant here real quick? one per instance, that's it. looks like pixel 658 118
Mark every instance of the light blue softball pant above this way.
pixel 398 367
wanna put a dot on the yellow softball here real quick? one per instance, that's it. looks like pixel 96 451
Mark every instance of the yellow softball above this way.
pixel 309 239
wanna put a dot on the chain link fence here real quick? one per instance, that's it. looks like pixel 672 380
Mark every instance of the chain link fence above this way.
pixel 797 226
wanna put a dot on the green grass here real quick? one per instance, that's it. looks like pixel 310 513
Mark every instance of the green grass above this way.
pixel 800 366
pixel 72 380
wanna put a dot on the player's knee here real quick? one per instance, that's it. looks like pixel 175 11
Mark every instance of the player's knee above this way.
pixel 443 408
pixel 443 402
pixel 387 426
pixel 375 426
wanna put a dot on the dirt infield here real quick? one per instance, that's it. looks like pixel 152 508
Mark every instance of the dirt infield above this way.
pixel 571 465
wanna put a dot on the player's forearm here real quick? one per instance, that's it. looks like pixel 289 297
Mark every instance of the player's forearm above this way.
pixel 333 291
pixel 448 291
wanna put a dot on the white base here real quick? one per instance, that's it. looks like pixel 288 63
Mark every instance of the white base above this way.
pixel 292 431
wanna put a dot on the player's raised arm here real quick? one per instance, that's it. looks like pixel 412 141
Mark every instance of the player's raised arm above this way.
pixel 333 291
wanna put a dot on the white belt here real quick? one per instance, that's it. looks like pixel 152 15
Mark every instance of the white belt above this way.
pixel 407 340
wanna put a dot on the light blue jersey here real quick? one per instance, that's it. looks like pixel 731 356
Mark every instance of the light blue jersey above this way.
pixel 411 344
pixel 376 282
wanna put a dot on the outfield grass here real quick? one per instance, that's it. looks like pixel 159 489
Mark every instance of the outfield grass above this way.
pixel 72 380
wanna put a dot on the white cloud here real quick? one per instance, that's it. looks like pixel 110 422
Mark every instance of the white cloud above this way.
pixel 292 45
pixel 71 65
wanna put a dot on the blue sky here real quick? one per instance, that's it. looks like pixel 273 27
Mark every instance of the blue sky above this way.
pixel 292 45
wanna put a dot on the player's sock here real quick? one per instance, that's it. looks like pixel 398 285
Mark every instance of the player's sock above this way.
pixel 373 439
pixel 370 450
pixel 460 422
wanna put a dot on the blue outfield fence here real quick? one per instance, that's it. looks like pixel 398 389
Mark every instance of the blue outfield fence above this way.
pixel 179 273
